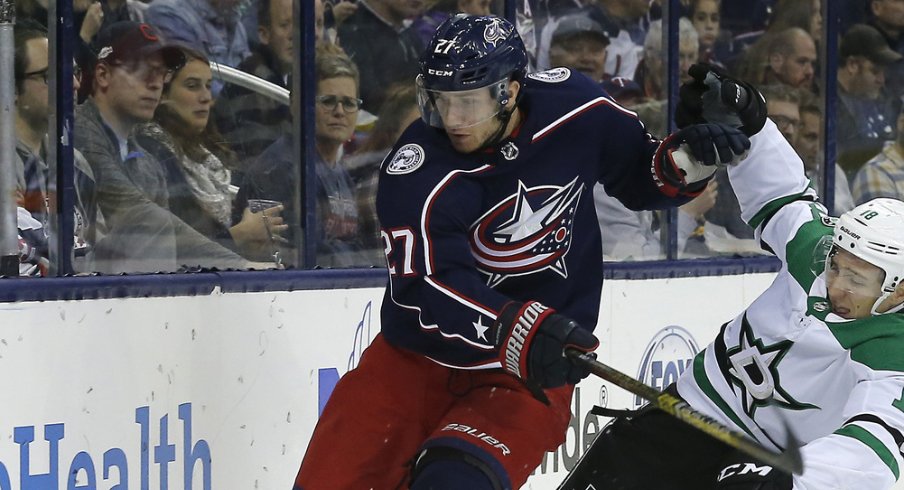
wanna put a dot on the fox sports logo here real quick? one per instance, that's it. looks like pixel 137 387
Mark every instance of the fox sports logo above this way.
pixel 670 353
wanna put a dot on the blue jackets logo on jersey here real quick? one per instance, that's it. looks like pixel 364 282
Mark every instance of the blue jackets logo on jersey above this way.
pixel 529 231
pixel 406 160
pixel 553 75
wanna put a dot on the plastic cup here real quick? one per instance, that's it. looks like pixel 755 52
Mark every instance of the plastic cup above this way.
pixel 258 205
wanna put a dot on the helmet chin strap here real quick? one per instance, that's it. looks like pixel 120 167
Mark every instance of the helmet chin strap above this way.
pixel 504 117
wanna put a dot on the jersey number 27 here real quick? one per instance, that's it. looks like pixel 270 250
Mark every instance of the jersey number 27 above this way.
pixel 398 244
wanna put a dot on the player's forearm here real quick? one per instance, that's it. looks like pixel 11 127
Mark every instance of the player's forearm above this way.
pixel 838 461
pixel 771 171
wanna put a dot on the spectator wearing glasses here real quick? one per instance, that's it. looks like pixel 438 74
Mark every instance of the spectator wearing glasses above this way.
pixel 89 16
pixel 35 186
pixel 275 174
pixel 783 107
pixel 183 138
pixel 143 235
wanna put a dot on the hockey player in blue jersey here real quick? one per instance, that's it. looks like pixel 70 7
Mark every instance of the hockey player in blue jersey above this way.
pixel 816 360
pixel 494 260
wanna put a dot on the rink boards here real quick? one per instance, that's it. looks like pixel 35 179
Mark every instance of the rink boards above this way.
pixel 223 390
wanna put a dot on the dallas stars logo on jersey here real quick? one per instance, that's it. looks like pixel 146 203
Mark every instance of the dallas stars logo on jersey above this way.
pixel 754 369
pixel 527 232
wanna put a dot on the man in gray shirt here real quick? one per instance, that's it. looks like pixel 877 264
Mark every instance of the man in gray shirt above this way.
pixel 127 83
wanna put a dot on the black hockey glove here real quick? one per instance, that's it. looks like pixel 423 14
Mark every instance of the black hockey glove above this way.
pixel 715 97
pixel 531 339
pixel 687 158
pixel 746 474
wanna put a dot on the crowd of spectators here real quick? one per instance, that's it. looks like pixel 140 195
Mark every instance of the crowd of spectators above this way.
pixel 176 169
pixel 776 44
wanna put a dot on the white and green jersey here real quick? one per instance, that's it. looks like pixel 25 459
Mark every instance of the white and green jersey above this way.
pixel 838 384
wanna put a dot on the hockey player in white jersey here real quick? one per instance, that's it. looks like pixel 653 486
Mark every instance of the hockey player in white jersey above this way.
pixel 820 352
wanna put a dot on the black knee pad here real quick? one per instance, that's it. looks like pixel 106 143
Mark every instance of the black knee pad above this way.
pixel 442 453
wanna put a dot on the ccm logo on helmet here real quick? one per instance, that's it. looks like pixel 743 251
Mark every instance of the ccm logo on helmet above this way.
pixel 439 73
pixel 520 332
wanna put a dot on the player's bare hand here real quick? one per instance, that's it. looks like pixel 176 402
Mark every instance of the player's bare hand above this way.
pixel 701 204
pixel 261 227
pixel 343 10
pixel 94 18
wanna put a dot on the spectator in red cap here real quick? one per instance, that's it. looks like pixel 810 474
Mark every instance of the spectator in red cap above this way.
pixel 143 236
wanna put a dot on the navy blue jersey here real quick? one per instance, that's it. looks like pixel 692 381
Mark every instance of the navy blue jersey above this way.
pixel 466 233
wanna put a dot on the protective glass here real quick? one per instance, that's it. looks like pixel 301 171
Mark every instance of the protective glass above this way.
pixel 459 109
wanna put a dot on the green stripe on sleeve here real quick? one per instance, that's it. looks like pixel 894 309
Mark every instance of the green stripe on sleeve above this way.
pixel 873 443
pixel 712 394
pixel 771 208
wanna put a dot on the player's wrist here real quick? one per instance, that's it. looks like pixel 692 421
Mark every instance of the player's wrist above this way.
pixel 513 332
pixel 670 170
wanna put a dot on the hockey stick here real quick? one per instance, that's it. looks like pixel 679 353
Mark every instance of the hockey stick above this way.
pixel 790 461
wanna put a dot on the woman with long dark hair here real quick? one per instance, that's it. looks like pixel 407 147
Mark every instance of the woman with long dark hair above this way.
pixel 197 161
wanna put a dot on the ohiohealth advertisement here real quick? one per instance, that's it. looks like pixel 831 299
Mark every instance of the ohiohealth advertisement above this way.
pixel 223 391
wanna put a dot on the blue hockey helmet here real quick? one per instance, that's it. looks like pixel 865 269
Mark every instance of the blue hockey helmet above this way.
pixel 469 53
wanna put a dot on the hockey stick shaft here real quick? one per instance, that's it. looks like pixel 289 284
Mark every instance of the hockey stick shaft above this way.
pixel 789 461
